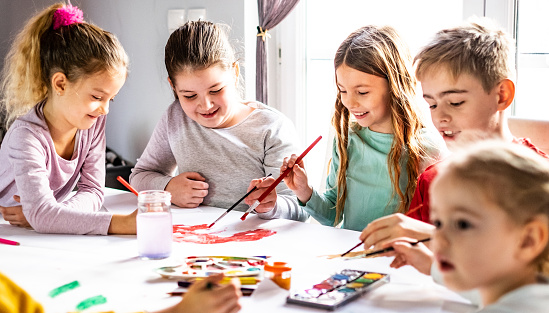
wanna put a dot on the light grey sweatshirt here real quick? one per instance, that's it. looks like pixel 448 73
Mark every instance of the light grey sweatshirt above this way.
pixel 229 158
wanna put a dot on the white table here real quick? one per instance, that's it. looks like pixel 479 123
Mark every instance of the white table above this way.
pixel 109 266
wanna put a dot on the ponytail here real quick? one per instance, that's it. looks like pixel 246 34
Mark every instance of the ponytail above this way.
pixel 22 85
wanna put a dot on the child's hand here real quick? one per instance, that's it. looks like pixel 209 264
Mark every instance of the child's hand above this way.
pixel 262 184
pixel 217 299
pixel 123 224
pixel 418 256
pixel 387 228
pixel 14 214
pixel 296 179
pixel 188 189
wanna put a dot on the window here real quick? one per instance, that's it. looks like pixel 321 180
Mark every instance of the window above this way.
pixel 310 36
pixel 532 38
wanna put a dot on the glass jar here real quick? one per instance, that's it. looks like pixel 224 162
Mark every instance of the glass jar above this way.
pixel 154 224
pixel 280 273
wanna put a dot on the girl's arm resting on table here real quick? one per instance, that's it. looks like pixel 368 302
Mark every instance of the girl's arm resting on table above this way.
pixel 14 214
pixel 41 209
pixel 123 224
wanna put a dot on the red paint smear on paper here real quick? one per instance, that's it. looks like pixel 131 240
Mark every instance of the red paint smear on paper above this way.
pixel 184 233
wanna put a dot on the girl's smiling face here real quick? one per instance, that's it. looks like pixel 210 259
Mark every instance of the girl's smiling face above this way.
pixel 475 241
pixel 367 97
pixel 209 96
pixel 78 105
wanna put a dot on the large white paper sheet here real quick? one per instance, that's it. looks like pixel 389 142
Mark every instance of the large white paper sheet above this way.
pixel 108 266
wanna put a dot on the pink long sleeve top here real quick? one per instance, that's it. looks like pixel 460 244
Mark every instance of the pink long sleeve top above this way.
pixel 31 169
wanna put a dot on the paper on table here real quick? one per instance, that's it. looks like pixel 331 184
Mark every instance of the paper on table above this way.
pixel 267 295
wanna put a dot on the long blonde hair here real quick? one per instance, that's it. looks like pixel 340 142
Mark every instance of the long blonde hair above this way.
pixel 39 51
pixel 380 51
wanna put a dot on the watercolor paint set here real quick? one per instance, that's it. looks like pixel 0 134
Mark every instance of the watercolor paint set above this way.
pixel 338 289
pixel 202 266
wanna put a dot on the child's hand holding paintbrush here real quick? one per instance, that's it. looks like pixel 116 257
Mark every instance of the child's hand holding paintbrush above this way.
pixel 209 296
pixel 293 173
pixel 409 251
pixel 261 185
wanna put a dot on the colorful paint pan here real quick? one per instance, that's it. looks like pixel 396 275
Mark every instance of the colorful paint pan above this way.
pixel 203 266
pixel 339 289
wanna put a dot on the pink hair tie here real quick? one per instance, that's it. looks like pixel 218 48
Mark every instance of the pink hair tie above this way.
pixel 67 15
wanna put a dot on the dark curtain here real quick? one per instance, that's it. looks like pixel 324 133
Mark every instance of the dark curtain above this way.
pixel 271 13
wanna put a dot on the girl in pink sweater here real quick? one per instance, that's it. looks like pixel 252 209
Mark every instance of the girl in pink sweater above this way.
pixel 59 78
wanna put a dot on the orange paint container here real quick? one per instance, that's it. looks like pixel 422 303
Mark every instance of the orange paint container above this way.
pixel 280 273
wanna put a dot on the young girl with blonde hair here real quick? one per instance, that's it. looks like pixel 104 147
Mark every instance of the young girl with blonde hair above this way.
pixel 490 207
pixel 59 78
pixel 381 143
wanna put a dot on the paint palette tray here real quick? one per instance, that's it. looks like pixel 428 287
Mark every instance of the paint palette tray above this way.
pixel 203 266
pixel 338 289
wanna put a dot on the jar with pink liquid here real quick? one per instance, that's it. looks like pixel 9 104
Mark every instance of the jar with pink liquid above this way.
pixel 154 224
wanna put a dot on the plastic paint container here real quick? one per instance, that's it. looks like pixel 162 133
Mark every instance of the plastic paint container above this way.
pixel 280 273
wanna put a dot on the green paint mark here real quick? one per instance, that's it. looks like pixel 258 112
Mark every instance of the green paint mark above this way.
pixel 91 302
pixel 67 287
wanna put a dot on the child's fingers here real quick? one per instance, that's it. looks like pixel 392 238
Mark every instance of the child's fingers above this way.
pixel 375 226
pixel 198 185
pixel 262 185
pixel 194 176
pixel 284 165
pixel 291 161
pixel 399 241
pixel 17 198
pixel 398 262
pixel 228 295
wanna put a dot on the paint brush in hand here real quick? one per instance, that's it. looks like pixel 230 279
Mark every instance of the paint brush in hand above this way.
pixel 407 214
pixel 349 251
pixel 365 255
pixel 127 185
pixel 236 203
pixel 278 180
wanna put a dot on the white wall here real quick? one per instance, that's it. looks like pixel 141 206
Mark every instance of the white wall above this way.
pixel 141 27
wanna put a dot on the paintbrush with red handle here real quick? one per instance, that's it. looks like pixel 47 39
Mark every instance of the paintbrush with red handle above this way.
pixel 278 180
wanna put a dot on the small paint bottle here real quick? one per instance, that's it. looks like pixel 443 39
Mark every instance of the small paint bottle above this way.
pixel 280 273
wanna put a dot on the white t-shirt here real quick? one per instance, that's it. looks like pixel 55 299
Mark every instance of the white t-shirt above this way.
pixel 533 298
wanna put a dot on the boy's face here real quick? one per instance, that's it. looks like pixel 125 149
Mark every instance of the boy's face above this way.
pixel 474 239
pixel 460 104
